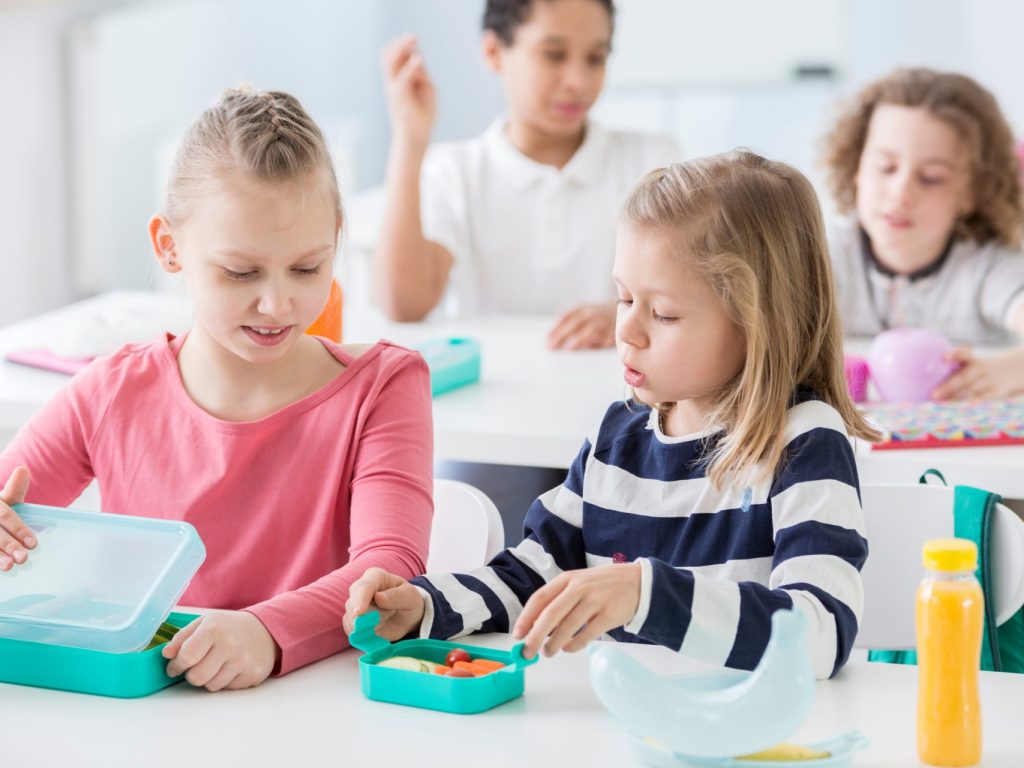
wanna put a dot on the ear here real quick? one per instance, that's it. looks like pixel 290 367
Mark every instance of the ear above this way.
pixel 492 49
pixel 162 239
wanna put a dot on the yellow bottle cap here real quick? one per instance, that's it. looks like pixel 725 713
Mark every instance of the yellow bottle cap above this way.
pixel 950 555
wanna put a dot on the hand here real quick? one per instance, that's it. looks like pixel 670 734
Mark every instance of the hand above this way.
pixel 399 602
pixel 412 101
pixel 15 537
pixel 588 326
pixel 991 376
pixel 577 607
pixel 222 649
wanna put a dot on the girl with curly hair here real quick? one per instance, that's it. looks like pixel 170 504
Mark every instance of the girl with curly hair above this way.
pixel 923 164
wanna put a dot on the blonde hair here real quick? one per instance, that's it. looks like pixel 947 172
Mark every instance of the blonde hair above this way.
pixel 972 112
pixel 266 134
pixel 753 229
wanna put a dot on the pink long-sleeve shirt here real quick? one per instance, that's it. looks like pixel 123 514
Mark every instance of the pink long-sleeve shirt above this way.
pixel 292 508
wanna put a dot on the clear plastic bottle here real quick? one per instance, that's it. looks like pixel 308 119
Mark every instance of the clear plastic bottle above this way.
pixel 949 630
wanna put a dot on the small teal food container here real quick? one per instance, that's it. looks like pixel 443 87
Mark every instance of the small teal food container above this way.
pixel 80 612
pixel 458 695
pixel 453 362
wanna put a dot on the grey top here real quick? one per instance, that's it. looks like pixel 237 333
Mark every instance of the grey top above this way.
pixel 969 294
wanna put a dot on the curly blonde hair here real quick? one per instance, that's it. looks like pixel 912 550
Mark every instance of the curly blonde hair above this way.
pixel 972 112
pixel 753 229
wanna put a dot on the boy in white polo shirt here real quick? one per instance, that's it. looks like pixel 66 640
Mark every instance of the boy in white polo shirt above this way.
pixel 521 218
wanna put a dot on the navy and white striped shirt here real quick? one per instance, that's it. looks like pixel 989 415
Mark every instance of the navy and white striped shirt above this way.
pixel 715 564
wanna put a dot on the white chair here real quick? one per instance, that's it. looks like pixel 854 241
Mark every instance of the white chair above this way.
pixel 467 530
pixel 899 519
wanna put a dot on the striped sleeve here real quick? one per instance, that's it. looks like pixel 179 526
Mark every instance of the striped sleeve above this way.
pixel 819 550
pixel 490 598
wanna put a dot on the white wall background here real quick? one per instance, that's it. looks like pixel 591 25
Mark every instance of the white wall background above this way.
pixel 96 92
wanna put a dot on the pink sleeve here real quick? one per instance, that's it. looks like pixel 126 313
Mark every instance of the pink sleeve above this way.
pixel 53 445
pixel 390 513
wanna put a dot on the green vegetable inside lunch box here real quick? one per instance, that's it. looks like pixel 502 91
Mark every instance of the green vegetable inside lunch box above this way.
pixel 123 675
pixel 459 695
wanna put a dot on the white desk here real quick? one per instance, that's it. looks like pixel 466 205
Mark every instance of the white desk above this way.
pixel 533 406
pixel 317 716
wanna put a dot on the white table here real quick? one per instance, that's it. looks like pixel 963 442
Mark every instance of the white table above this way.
pixel 533 406
pixel 317 716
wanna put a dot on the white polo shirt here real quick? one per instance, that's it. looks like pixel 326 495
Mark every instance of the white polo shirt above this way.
pixel 970 294
pixel 529 238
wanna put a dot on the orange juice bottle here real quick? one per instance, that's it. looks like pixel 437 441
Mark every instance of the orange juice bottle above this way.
pixel 949 630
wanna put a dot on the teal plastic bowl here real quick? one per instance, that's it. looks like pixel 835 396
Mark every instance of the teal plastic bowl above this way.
pixel 121 675
pixel 458 695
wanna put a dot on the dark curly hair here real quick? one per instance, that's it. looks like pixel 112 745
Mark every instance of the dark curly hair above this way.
pixel 503 17
pixel 972 112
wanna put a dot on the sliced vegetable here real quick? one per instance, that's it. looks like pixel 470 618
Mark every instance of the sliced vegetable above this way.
pixel 488 664
pixel 783 752
pixel 459 671
pixel 408 663
pixel 164 633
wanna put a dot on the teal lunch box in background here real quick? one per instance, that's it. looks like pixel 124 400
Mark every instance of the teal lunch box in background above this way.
pixel 124 675
pixel 459 695
pixel 78 614
pixel 453 362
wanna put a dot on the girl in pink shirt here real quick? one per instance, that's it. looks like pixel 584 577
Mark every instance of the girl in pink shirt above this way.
pixel 300 462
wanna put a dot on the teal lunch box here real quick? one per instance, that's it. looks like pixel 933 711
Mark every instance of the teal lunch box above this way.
pixel 459 695
pixel 79 613
pixel 123 675
pixel 453 363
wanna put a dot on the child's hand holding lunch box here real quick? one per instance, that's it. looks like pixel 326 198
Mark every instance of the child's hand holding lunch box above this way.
pixel 16 538
pixel 399 603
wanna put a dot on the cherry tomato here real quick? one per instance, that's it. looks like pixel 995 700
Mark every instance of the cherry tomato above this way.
pixel 456 654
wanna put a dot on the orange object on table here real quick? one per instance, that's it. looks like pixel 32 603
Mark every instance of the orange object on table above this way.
pixel 328 324
pixel 950 612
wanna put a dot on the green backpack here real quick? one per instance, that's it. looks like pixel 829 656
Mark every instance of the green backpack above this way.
pixel 1002 648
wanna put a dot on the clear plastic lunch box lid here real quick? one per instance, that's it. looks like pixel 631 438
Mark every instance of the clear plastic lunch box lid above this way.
pixel 95 580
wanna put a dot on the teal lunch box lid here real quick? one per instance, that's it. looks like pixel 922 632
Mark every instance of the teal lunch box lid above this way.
pixel 453 362
pixel 459 695
pixel 124 675
pixel 97 581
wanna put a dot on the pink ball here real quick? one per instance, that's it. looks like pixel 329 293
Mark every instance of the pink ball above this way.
pixel 908 363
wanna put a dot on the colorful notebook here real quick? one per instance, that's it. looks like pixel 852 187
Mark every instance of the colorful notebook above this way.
pixel 43 358
pixel 955 424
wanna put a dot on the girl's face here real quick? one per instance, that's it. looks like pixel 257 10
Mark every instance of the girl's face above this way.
pixel 672 331
pixel 554 69
pixel 913 181
pixel 257 259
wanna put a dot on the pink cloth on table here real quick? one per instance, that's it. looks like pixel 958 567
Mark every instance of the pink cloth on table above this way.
pixel 292 508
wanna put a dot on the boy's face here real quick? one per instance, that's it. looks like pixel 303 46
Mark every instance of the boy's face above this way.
pixel 257 259
pixel 554 69
pixel 672 331
pixel 913 181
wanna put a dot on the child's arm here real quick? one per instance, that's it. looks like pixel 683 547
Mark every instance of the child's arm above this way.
pixel 409 272
pixel 819 548
pixel 389 503
pixel 489 599
pixel 54 445
pixel 1001 302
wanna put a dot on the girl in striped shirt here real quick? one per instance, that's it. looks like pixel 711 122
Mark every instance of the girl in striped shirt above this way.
pixel 725 488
